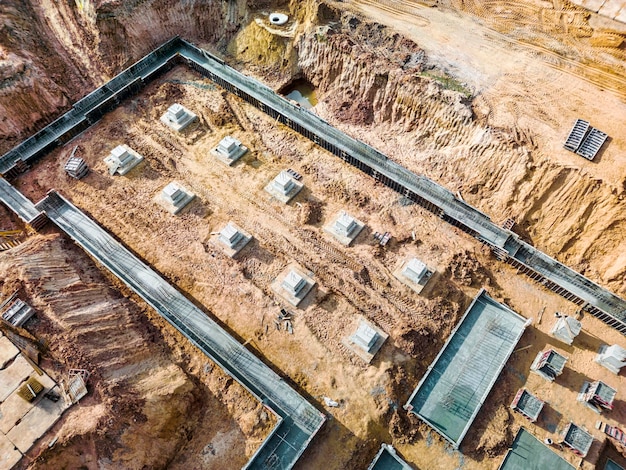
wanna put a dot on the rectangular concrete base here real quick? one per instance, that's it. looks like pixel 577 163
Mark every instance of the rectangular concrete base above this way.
pixel 7 351
pixel 346 241
pixel 179 126
pixel 230 161
pixel 175 209
pixel 416 287
pixel 232 252
pixel 9 455
pixel 285 198
pixel 366 356
pixel 287 296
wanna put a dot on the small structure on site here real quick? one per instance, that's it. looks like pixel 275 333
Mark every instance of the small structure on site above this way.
pixel 612 357
pixel 388 459
pixel 366 341
pixel 549 364
pixel 414 274
pixel 231 239
pixel 344 228
pixel 284 187
pixel 175 197
pixel 527 404
pixel 597 396
pixel 76 385
pixel 122 159
pixel 17 313
pixel 229 150
pixel 585 140
pixel 450 395
pixel 75 166
pixel 30 389
pixel 177 117
pixel 293 285
pixel 577 439
pixel 529 453
pixel 566 328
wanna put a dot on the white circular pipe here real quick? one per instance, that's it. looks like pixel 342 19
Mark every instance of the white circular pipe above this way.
pixel 278 18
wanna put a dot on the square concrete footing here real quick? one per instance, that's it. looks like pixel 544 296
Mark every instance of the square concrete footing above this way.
pixel 177 117
pixel 413 275
pixel 344 228
pixel 174 197
pixel 293 284
pixel 231 239
pixel 284 187
pixel 354 342
pixel 122 159
pixel 229 150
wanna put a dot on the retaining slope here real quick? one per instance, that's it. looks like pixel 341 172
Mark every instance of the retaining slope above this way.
pixel 298 420
pixel 506 245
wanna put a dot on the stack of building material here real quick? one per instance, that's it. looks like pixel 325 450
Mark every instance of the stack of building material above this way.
pixel 585 140
pixel 612 357
pixel 18 313
pixel 549 364
pixel 76 167
pixel 566 329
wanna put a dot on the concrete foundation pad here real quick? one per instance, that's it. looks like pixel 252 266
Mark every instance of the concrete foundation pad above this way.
pixel 416 287
pixel 366 356
pixel 230 161
pixel 287 296
pixel 36 422
pixel 345 240
pixel 7 351
pixel 13 375
pixel 285 198
pixel 232 252
pixel 122 170
pixel 175 209
pixel 179 126
pixel 9 455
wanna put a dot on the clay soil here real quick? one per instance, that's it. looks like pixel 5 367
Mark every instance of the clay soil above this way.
pixel 351 282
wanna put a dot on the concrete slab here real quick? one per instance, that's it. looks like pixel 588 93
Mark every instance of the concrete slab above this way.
pixel 295 300
pixel 295 187
pixel 36 422
pixel 13 375
pixel 15 407
pixel 359 351
pixel 341 238
pixel 9 455
pixel 231 252
pixel 529 453
pixel 450 395
pixel 7 351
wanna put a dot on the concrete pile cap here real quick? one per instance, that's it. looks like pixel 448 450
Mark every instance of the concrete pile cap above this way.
pixel 283 180
pixel 365 336
pixel 119 152
pixel 229 143
pixel 415 268
pixel 345 222
pixel 230 232
pixel 293 281
pixel 172 190
pixel 176 110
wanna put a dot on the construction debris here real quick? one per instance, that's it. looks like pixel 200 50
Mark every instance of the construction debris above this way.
pixel 76 167
pixel 612 357
pixel 383 238
pixel 76 385
pixel 330 402
pixel 18 313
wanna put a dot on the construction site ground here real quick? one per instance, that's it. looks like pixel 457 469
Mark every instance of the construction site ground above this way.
pixel 350 281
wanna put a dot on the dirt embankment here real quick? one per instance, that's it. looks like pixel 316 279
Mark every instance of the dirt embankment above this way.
pixel 149 403
pixel 424 119
pixel 53 53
